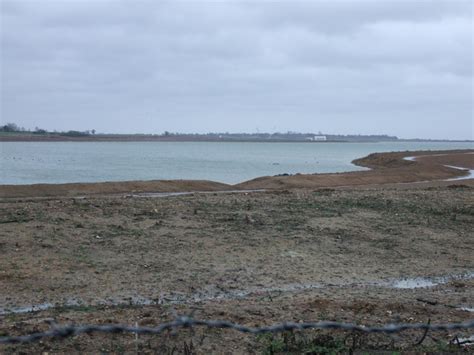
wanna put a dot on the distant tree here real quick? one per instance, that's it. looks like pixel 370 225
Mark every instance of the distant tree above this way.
pixel 10 127
pixel 93 131
pixel 75 134
pixel 39 131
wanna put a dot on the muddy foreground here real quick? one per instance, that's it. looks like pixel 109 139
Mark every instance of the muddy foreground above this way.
pixel 254 258
pixel 392 244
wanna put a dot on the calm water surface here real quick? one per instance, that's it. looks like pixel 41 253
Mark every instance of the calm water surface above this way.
pixel 61 162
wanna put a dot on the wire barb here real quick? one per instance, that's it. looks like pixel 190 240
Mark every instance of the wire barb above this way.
pixel 188 322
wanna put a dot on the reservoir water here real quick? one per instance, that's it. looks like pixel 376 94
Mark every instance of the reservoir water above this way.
pixel 63 162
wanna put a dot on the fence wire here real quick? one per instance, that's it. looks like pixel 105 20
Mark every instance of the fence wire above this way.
pixel 189 322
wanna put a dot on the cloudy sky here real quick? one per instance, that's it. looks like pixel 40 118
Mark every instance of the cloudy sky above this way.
pixel 401 67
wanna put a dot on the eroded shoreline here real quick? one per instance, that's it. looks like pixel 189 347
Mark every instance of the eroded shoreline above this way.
pixel 385 168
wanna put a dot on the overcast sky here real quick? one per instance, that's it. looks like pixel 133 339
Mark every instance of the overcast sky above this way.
pixel 401 67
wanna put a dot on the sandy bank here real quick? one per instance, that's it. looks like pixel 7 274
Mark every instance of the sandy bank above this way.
pixel 386 168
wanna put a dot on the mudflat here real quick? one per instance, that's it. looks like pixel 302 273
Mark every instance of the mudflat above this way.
pixel 386 168
pixel 370 255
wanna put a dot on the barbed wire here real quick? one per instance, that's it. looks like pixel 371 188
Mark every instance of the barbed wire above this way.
pixel 188 322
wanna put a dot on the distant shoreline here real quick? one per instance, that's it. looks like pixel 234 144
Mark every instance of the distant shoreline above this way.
pixel 147 138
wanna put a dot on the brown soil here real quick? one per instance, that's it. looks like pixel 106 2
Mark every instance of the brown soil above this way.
pixel 460 160
pixel 387 168
pixel 106 252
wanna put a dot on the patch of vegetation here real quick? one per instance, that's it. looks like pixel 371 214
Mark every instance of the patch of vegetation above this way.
pixel 299 343
pixel 15 216
pixel 327 343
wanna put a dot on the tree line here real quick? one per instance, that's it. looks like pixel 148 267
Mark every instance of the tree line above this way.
pixel 14 128
pixel 166 135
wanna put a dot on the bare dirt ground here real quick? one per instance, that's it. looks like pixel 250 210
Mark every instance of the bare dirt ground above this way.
pixel 255 258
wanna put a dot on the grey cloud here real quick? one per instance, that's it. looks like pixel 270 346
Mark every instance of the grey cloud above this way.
pixel 351 67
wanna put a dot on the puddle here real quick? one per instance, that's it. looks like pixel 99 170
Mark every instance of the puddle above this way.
pixel 71 302
pixel 167 298
pixel 423 282
pixel 171 194
pixel 414 283
pixel 26 309
pixel 160 194
pixel 470 172
pixel 466 341
pixel 213 293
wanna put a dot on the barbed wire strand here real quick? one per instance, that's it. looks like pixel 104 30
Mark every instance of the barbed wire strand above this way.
pixel 188 322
